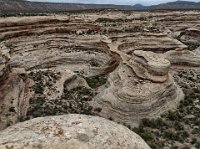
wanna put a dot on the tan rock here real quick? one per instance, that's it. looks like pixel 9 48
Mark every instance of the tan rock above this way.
pixel 14 93
pixel 128 98
pixel 183 58
pixel 70 131
pixel 155 65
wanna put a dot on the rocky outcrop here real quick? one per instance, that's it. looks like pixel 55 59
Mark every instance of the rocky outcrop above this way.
pixel 87 54
pixel 14 93
pixel 183 57
pixel 138 85
pixel 156 42
pixel 135 56
pixel 70 131
pixel 4 66
pixel 129 98
pixel 155 66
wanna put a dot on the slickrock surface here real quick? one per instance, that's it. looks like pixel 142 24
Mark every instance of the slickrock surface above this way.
pixel 114 64
pixel 70 131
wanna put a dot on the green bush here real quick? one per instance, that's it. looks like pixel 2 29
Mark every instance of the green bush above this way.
pixel 156 145
pixel 197 145
pixel 96 81
pixel 38 88
pixel 186 147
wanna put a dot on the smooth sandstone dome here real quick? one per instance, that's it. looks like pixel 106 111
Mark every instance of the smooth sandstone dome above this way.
pixel 70 132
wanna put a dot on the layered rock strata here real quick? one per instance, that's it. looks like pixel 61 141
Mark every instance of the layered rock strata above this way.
pixel 155 66
pixel 183 57
pixel 81 45
pixel 156 42
pixel 141 87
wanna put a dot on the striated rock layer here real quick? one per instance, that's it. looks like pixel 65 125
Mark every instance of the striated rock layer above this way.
pixel 139 89
pixel 155 66
pixel 183 57
pixel 72 132
pixel 135 56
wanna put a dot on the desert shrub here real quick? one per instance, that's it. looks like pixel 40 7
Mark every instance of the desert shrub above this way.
pixel 183 134
pixel 154 123
pixel 194 140
pixel 171 127
pixel 197 145
pixel 170 135
pixel 186 147
pixel 178 126
pixel 144 133
pixel 98 109
pixel 37 101
pixel 174 147
pixel 196 90
pixel 96 81
pixel 12 109
pixel 156 145
pixel 147 135
pixel 38 88
pixel 72 101
pixel 174 116
pixel 108 20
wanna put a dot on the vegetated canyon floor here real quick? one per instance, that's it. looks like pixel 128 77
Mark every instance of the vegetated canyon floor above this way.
pixel 138 69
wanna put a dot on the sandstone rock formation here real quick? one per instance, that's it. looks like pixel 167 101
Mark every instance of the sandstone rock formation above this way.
pixel 70 131
pixel 14 93
pixel 155 66
pixel 139 89
pixel 197 51
pixel 135 57
pixel 156 42
pixel 183 57
pixel 4 66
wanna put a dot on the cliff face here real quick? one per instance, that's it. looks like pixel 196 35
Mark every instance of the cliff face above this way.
pixel 14 93
pixel 4 64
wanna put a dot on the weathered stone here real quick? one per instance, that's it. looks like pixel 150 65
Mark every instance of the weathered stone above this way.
pixel 70 131
pixel 183 57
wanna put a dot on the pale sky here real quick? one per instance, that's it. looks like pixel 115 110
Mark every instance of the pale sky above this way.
pixel 120 2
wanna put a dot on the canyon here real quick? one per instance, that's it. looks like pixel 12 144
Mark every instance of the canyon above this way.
pixel 119 65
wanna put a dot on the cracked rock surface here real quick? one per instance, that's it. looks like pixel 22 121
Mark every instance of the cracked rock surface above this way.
pixel 70 131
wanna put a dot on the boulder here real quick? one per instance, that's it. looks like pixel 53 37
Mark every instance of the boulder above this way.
pixel 71 132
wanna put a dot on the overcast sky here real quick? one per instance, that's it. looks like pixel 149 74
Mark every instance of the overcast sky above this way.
pixel 121 2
